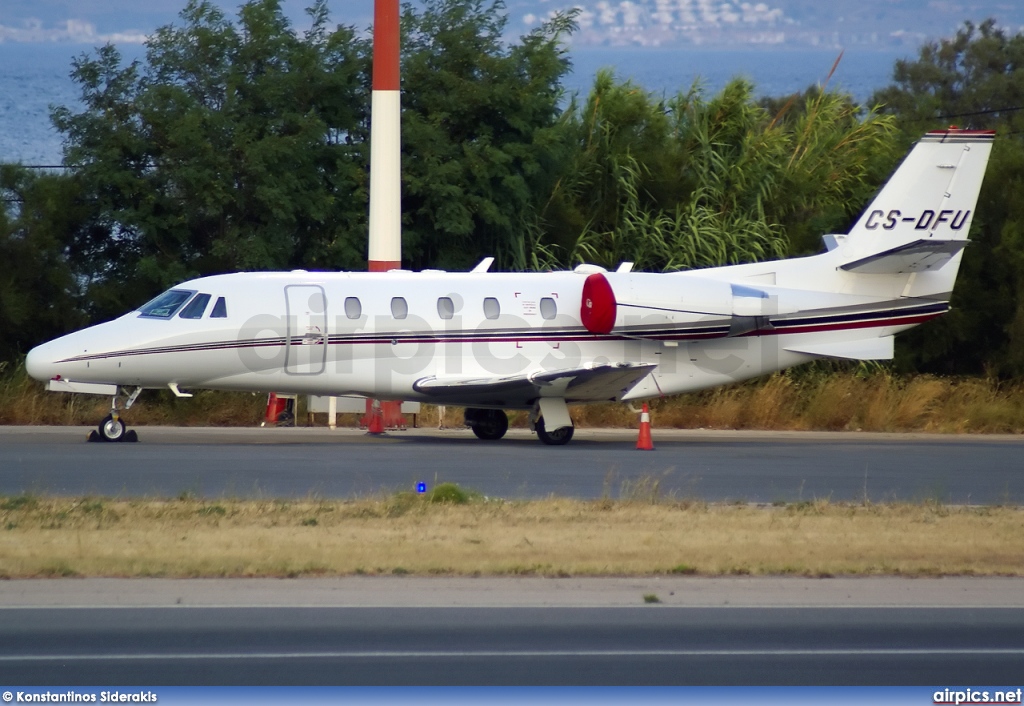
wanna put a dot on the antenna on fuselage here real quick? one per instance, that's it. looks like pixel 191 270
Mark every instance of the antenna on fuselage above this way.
pixel 484 265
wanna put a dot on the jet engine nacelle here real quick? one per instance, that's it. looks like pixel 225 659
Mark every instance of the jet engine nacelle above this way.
pixel 646 304
pixel 610 302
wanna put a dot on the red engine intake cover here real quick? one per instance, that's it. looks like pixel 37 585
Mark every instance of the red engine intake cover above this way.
pixel 597 312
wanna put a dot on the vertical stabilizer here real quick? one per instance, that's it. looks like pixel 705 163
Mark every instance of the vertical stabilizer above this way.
pixel 918 223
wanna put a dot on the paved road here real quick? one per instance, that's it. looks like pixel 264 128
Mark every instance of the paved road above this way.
pixel 646 645
pixel 715 466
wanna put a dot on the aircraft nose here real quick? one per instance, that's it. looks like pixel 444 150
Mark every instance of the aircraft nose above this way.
pixel 40 363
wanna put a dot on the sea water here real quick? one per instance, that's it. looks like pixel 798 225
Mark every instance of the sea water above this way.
pixel 36 77
pixel 773 71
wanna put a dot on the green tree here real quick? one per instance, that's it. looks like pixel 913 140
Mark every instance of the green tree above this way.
pixel 698 181
pixel 480 132
pixel 39 291
pixel 230 147
pixel 243 145
pixel 974 79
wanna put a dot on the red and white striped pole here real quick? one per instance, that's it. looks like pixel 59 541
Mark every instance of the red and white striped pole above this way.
pixel 386 141
pixel 385 248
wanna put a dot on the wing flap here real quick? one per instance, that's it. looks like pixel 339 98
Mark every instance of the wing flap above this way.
pixel 590 383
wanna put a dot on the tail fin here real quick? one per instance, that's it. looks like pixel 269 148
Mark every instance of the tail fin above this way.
pixel 919 222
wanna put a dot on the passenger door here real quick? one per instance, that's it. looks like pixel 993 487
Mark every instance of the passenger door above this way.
pixel 306 347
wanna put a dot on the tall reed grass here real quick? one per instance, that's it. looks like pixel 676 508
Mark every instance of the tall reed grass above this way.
pixel 816 398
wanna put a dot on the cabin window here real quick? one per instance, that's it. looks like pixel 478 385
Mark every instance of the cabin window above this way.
pixel 164 306
pixel 399 308
pixel 492 309
pixel 353 307
pixel 445 307
pixel 220 309
pixel 548 308
pixel 195 308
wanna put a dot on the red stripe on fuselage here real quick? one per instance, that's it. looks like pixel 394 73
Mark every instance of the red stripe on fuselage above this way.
pixel 384 339
pixel 814 328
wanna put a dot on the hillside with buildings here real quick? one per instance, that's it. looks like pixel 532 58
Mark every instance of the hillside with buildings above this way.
pixel 797 23
pixel 881 23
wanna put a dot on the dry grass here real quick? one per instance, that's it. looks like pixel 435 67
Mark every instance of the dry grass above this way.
pixel 868 399
pixel 837 401
pixel 25 401
pixel 404 534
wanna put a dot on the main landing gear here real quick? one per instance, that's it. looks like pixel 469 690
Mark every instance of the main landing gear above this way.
pixel 491 425
pixel 112 428
pixel 487 424
pixel 555 437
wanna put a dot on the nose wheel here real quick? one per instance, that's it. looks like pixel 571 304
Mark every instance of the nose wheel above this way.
pixel 112 428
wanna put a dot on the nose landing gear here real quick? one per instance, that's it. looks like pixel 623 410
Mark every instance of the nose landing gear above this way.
pixel 112 428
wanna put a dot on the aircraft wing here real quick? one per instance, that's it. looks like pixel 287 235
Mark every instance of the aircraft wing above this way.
pixel 591 383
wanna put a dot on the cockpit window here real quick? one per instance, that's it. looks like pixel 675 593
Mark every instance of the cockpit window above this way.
pixel 220 309
pixel 195 308
pixel 164 306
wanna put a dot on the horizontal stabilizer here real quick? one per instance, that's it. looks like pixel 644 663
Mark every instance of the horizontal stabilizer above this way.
pixel 918 256
pixel 861 349
pixel 587 384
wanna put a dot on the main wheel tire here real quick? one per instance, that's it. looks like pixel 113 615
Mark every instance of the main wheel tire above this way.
pixel 111 429
pixel 489 424
pixel 558 437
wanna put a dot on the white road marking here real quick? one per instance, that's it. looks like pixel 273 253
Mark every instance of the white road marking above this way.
pixel 632 605
pixel 460 654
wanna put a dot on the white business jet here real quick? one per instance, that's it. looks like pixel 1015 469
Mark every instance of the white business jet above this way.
pixel 541 341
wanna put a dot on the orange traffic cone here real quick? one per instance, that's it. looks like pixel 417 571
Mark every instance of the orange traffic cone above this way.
pixel 375 424
pixel 274 407
pixel 643 442
pixel 391 413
